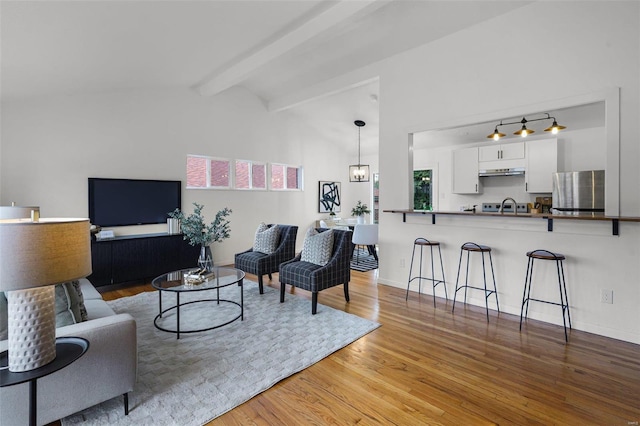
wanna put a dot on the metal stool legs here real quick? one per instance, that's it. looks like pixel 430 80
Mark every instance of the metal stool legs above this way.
pixel 562 287
pixel 422 242
pixel 473 247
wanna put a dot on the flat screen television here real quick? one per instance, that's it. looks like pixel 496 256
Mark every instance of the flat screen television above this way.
pixel 121 202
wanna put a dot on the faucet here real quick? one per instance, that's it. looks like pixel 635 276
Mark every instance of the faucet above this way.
pixel 515 205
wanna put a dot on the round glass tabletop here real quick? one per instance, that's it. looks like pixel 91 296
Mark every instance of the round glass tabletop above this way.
pixel 191 280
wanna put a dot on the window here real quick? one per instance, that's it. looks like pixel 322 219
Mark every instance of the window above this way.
pixel 196 172
pixel 422 190
pixel 250 175
pixel 285 177
pixel 208 172
pixel 219 173
pixel 216 173
pixel 376 197
pixel 259 176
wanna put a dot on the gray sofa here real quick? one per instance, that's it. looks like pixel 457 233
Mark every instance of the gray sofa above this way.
pixel 107 370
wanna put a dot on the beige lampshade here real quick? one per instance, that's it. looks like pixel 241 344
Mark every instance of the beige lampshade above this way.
pixel 50 251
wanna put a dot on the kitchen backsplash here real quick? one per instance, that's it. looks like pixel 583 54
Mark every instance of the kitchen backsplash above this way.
pixel 495 189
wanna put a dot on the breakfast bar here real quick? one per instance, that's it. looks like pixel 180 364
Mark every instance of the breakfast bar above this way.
pixel 600 250
pixel 615 220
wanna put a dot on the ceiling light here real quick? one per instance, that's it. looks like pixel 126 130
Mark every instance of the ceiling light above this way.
pixel 359 172
pixel 496 135
pixel 524 131
pixel 555 128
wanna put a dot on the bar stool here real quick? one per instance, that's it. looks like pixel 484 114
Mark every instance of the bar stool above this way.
pixel 423 242
pixel 564 300
pixel 482 249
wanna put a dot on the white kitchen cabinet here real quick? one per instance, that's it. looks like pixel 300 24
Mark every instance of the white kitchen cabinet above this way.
pixel 541 163
pixel 465 172
pixel 510 151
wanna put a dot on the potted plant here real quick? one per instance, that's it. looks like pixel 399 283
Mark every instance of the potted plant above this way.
pixel 359 211
pixel 197 232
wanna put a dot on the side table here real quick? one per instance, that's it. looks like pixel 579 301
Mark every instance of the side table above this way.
pixel 68 349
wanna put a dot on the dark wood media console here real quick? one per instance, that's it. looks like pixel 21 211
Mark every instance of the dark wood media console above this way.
pixel 136 258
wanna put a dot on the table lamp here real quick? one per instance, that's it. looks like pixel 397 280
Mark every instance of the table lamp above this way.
pixel 34 256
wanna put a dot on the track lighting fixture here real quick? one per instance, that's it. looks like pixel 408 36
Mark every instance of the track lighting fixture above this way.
pixel 524 131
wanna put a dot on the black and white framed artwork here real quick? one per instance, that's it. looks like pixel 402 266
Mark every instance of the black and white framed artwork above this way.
pixel 329 197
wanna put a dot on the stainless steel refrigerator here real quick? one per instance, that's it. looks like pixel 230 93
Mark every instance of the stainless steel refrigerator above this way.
pixel 578 193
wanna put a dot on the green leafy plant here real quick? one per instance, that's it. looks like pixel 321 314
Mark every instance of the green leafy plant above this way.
pixel 422 190
pixel 197 232
pixel 360 209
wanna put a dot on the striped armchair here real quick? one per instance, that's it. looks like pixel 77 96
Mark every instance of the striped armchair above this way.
pixel 260 264
pixel 315 278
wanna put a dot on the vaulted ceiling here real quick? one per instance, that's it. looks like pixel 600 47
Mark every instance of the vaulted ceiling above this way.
pixel 276 49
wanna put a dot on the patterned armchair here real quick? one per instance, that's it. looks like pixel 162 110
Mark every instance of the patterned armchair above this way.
pixel 260 264
pixel 315 278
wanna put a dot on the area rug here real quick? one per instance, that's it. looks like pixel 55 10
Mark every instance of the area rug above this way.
pixel 363 261
pixel 203 375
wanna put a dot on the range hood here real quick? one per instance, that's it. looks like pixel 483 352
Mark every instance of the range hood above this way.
pixel 512 171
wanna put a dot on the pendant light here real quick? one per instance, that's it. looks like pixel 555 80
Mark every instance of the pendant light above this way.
pixel 359 172
pixel 496 135
pixel 554 128
pixel 524 131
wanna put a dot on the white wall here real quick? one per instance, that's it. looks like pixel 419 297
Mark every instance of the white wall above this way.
pixel 582 150
pixel 52 145
pixel 598 45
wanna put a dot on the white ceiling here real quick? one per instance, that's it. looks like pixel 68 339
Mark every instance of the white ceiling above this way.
pixel 67 47
pixel 274 48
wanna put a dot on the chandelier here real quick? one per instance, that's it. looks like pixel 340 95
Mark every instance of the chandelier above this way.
pixel 524 131
pixel 359 172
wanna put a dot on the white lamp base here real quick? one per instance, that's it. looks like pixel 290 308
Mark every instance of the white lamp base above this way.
pixel 32 328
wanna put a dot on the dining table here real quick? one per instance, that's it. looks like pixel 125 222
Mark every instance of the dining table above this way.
pixel 339 223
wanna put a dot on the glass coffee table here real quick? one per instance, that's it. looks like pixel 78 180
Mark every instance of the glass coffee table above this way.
pixel 177 282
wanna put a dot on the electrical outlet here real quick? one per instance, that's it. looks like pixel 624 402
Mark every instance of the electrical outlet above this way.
pixel 606 296
pixel 402 263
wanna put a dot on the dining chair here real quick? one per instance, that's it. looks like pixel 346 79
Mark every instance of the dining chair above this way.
pixel 365 235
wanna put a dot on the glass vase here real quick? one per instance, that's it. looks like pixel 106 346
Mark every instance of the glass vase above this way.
pixel 205 260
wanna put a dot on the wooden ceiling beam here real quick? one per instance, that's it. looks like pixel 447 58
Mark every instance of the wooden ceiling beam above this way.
pixel 323 21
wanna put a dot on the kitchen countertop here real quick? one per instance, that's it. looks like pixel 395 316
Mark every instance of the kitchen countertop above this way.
pixel 531 215
pixel 547 216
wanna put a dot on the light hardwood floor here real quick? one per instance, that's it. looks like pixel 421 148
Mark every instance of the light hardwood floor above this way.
pixel 426 365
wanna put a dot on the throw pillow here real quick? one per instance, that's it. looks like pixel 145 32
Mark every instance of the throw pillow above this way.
pixel 317 247
pixel 67 305
pixel 267 239
pixel 4 317
pixel 83 310
pixel 64 312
